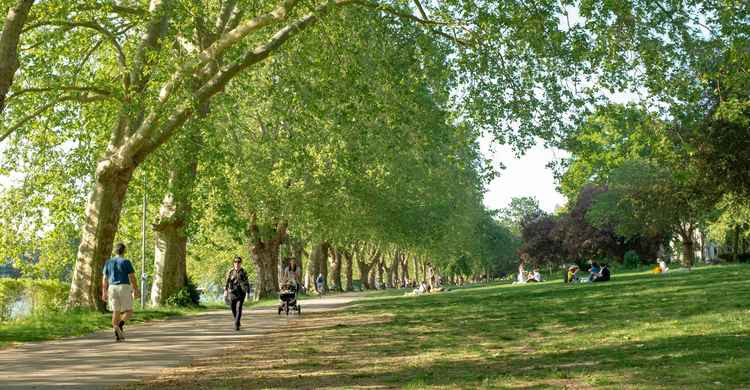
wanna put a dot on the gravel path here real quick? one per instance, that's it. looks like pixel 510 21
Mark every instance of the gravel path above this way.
pixel 96 361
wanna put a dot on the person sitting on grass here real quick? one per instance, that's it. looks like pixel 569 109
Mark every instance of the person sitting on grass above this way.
pixel 594 270
pixel 535 276
pixel 663 267
pixel 572 274
pixel 602 275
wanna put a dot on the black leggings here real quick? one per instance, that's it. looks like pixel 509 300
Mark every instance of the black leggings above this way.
pixel 237 309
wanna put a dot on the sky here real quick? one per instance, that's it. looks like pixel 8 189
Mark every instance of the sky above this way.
pixel 526 176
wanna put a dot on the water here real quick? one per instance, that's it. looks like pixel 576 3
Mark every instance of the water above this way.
pixel 21 308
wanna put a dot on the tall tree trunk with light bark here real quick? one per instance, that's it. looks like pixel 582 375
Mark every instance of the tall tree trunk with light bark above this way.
pixel 170 252
pixel 264 251
pixel 102 218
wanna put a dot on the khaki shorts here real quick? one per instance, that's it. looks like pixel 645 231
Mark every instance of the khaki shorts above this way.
pixel 120 297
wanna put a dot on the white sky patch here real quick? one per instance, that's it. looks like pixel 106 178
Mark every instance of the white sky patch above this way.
pixel 525 176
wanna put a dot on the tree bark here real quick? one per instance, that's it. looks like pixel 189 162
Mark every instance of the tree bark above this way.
pixel 170 253
pixel 373 276
pixel 319 263
pixel 265 256
pixel 405 268
pixel 688 245
pixel 364 269
pixel 381 274
pixel 349 266
pixel 416 268
pixel 324 265
pixel 12 29
pixel 336 256
pixel 396 264
pixel 102 218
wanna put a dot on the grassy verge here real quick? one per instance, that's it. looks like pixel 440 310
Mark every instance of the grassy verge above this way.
pixel 639 331
pixel 75 323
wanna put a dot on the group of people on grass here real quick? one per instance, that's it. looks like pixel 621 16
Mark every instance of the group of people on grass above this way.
pixel 527 277
pixel 597 273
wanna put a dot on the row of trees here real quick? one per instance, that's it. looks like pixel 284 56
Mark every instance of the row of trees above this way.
pixel 339 122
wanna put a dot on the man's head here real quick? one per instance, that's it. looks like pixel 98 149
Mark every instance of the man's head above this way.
pixel 120 249
pixel 237 262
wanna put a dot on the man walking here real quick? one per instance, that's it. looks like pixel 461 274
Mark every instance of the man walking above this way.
pixel 119 289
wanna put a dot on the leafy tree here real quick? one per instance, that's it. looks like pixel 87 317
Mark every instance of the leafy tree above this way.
pixel 646 199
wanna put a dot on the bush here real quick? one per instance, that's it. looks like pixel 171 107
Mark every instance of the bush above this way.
pixel 45 295
pixel 185 296
pixel 631 259
pixel 744 258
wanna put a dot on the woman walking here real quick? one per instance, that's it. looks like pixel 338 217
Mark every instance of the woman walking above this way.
pixel 236 289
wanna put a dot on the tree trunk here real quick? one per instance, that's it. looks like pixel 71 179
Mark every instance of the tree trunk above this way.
pixel 405 269
pixel 416 268
pixel 12 29
pixel 395 274
pixel 319 263
pixel 170 254
pixel 265 256
pixel 265 259
pixel 373 276
pixel 736 250
pixel 169 261
pixel 336 269
pixel 349 265
pixel 364 269
pixel 381 274
pixel 324 265
pixel 98 234
pixel 688 254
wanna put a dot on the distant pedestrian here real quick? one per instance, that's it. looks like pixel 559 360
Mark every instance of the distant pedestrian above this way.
pixel 119 289
pixel 235 290
pixel 319 282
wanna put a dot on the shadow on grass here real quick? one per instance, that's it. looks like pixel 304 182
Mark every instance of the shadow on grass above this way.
pixel 684 330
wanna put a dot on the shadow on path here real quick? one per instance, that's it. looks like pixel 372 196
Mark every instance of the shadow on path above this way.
pixel 97 361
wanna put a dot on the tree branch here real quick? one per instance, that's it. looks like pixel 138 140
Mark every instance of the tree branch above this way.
pixel 90 24
pixel 94 90
pixel 80 98
pixel 150 41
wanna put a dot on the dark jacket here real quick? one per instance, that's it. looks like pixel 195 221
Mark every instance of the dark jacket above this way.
pixel 237 283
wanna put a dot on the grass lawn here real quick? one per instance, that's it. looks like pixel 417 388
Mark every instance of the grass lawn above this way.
pixel 639 331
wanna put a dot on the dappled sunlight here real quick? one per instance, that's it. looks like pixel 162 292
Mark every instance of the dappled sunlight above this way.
pixel 643 332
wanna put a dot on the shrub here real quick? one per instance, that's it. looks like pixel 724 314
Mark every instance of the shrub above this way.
pixel 631 259
pixel 187 295
pixel 744 258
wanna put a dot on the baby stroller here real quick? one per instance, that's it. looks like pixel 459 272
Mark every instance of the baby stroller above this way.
pixel 288 297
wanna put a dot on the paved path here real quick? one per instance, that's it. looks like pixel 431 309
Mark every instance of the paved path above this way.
pixel 96 361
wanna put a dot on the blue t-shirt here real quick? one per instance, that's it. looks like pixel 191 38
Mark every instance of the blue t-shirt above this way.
pixel 117 269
